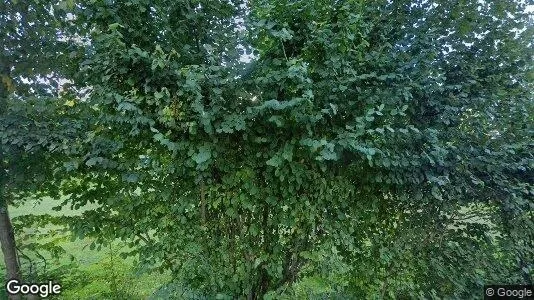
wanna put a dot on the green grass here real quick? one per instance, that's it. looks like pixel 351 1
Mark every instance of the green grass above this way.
pixel 84 273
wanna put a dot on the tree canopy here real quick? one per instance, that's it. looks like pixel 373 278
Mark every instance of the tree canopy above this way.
pixel 349 149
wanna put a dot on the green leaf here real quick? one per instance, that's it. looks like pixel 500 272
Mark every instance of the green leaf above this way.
pixel 274 161
pixel 203 155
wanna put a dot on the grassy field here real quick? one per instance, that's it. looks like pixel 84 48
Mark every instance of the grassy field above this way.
pixel 84 273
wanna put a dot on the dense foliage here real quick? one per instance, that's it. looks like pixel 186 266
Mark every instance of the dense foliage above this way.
pixel 350 149
pixel 34 131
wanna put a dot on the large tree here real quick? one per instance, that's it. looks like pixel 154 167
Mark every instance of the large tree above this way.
pixel 38 60
pixel 365 148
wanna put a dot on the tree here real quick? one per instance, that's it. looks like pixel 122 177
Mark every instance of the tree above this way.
pixel 37 59
pixel 7 238
pixel 367 149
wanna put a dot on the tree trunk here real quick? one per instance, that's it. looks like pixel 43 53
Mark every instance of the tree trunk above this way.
pixel 7 239
pixel 7 235
pixel 9 249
